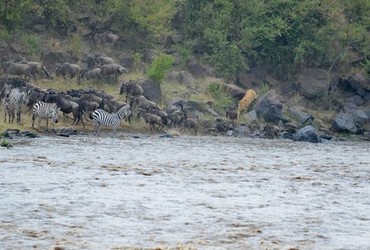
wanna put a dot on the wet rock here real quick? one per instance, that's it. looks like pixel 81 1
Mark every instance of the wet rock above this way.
pixel 307 134
pixel 167 136
pixel 28 134
pixel 269 108
pixel 359 116
pixel 345 122
pixel 242 130
pixel 66 132
pixel 301 117
pixel 286 135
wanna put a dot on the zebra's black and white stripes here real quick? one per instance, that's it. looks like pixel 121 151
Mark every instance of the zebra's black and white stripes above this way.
pixel 101 117
pixel 13 103
pixel 6 106
pixel 46 111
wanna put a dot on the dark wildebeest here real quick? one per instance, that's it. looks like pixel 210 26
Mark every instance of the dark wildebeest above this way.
pixel 18 69
pixel 97 61
pixel 111 71
pixel 68 70
pixel 92 74
pixel 131 89
pixel 105 37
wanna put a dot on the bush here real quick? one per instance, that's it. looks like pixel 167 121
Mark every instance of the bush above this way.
pixel 159 67
pixel 221 97
pixel 5 143
pixel 32 43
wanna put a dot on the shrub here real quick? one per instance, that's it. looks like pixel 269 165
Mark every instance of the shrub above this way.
pixel 221 98
pixel 159 67
pixel 32 43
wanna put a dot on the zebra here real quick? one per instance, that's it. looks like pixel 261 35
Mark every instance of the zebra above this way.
pixel 46 111
pixel 6 106
pixel 13 102
pixel 101 117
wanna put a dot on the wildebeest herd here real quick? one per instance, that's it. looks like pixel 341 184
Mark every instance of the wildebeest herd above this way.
pixel 97 68
pixel 89 105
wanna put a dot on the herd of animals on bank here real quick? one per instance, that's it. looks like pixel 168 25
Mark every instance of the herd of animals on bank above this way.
pixel 91 105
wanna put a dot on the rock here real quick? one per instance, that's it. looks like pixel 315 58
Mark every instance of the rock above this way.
pixel 313 83
pixel 359 116
pixel 181 77
pixel 152 89
pixel 269 108
pixel 307 134
pixel 251 116
pixel 28 134
pixel 196 69
pixel 53 57
pixel 242 130
pixel 66 132
pixel 235 91
pixel 301 117
pixel 358 81
pixel 344 122
pixel 286 135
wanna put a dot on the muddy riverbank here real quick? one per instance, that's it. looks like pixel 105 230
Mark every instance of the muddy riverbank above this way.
pixel 86 192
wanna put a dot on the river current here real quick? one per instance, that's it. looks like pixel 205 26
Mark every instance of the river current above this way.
pixel 188 192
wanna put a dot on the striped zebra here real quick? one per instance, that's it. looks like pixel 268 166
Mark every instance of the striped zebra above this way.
pixel 46 111
pixel 101 117
pixel 6 106
pixel 13 103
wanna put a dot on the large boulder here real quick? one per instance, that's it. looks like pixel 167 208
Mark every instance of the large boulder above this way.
pixel 313 82
pixel 344 122
pixel 269 108
pixel 197 69
pixel 152 89
pixel 359 116
pixel 51 58
pixel 181 77
pixel 235 91
pixel 308 134
pixel 359 82
pixel 301 116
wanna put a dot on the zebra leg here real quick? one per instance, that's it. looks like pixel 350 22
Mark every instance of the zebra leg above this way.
pixel 47 124
pixel 33 120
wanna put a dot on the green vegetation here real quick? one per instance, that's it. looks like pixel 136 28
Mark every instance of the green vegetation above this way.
pixel 160 65
pixel 5 143
pixel 283 35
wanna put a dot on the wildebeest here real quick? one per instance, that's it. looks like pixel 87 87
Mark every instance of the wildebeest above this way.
pixel 18 69
pixel 92 74
pixel 97 61
pixel 131 88
pixel 68 70
pixel 143 103
pixel 105 37
pixel 154 121
pixel 37 69
pixel 111 71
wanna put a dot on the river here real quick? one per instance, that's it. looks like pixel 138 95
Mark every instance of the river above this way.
pixel 189 192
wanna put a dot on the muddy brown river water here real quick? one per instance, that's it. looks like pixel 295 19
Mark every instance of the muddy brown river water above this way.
pixel 188 192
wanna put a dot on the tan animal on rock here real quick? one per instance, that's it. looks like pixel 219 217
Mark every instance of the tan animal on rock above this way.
pixel 248 98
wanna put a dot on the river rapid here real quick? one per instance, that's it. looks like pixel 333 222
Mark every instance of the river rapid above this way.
pixel 188 192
